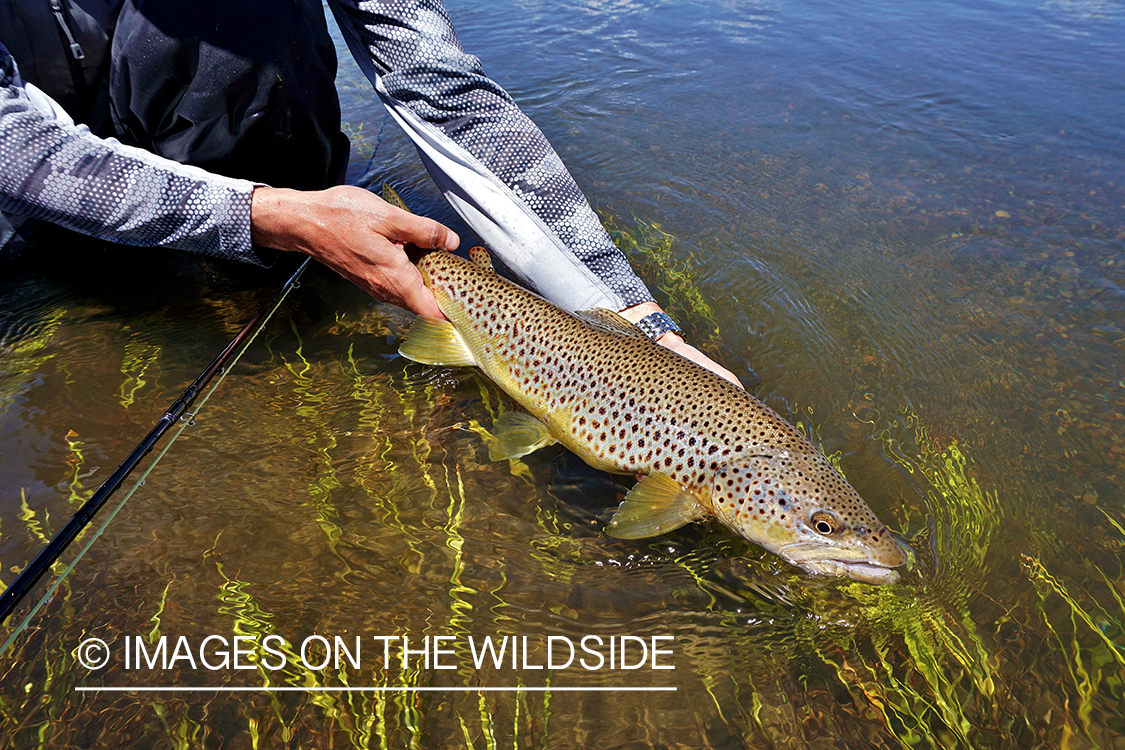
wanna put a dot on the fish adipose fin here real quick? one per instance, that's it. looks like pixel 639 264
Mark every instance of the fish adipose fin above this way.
pixel 481 257
pixel 516 434
pixel 657 505
pixel 609 321
pixel 436 342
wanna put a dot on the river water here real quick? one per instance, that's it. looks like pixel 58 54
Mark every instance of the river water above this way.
pixel 901 224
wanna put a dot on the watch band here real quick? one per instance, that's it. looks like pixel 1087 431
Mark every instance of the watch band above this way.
pixel 654 325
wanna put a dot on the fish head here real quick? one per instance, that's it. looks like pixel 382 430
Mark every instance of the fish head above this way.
pixel 799 507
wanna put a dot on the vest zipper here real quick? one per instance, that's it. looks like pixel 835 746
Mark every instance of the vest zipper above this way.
pixel 60 16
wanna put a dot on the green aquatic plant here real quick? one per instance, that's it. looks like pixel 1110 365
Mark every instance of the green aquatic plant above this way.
pixel 1087 624
pixel 139 357
pixel 31 520
pixel 184 733
pixel 248 618
pixel 965 517
pixel 39 531
pixel 921 667
pixel 908 659
pixel 23 359
pixel 48 668
pixel 402 474
pixel 657 257
pixel 372 419
pixel 363 719
pixel 308 387
pixel 911 655
pixel 78 491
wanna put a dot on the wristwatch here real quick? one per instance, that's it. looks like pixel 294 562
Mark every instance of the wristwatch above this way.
pixel 654 325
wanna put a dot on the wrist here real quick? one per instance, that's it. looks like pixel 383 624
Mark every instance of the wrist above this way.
pixel 274 217
pixel 654 323
pixel 636 312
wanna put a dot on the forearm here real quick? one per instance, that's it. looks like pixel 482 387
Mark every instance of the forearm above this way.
pixel 61 173
pixel 493 164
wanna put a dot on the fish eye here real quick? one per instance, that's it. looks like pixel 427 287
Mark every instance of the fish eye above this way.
pixel 825 522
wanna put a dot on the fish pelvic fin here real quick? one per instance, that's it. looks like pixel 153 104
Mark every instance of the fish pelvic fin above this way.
pixel 436 342
pixel 515 434
pixel 657 505
pixel 481 257
pixel 609 321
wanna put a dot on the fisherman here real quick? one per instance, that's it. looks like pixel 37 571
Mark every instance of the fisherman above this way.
pixel 214 127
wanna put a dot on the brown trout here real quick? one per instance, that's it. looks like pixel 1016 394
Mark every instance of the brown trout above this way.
pixel 595 383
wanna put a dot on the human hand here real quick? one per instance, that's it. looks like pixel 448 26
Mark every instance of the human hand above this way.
pixel 676 343
pixel 679 346
pixel 355 233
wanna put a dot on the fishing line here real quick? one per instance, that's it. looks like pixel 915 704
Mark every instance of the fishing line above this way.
pixel 176 412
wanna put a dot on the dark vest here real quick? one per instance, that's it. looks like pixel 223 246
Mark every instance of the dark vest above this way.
pixel 243 88
pixel 62 46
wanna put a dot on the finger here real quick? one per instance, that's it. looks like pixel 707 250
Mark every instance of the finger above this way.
pixel 417 230
pixel 705 361
pixel 722 372
pixel 413 294
pixel 421 301
pixel 676 344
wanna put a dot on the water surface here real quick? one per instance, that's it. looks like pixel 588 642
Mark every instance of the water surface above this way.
pixel 900 223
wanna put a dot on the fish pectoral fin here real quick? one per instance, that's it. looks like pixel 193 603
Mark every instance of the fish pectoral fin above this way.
pixel 657 505
pixel 481 257
pixel 515 434
pixel 609 321
pixel 436 342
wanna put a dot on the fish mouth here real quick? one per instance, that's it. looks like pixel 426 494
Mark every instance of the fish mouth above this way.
pixel 864 571
pixel 858 568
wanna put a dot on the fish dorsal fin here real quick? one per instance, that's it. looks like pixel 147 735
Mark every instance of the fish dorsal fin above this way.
pixel 657 505
pixel 609 321
pixel 390 196
pixel 481 257
pixel 436 342
pixel 517 434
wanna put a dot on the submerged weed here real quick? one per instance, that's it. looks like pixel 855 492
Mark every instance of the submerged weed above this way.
pixel 655 255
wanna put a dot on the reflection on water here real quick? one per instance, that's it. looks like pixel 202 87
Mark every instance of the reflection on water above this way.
pixel 901 226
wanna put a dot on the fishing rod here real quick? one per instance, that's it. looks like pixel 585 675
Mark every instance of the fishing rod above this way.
pixel 82 518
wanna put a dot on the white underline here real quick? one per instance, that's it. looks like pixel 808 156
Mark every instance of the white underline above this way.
pixel 394 689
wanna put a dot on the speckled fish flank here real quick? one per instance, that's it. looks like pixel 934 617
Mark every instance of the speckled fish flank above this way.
pixel 593 382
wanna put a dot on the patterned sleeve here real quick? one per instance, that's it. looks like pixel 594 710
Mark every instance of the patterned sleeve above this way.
pixel 52 170
pixel 494 165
